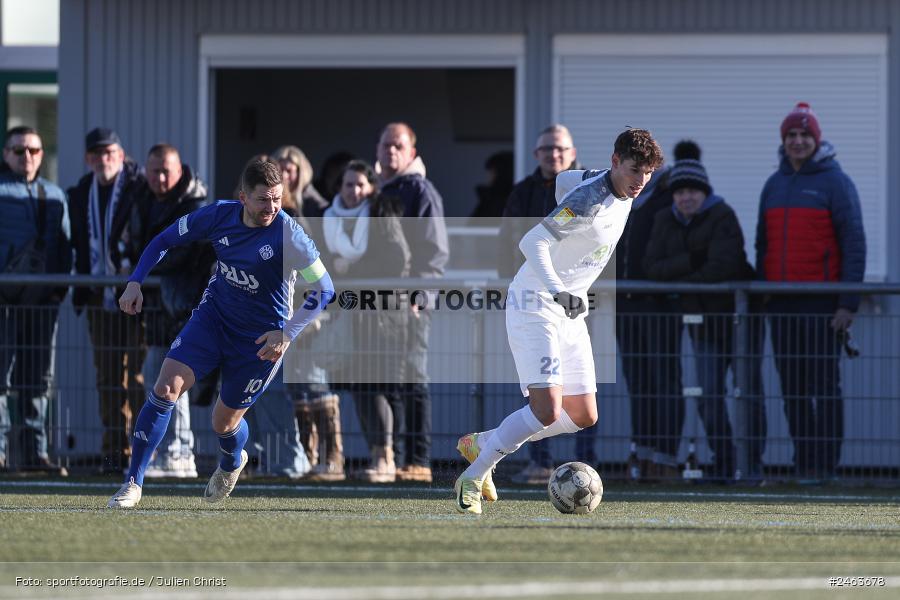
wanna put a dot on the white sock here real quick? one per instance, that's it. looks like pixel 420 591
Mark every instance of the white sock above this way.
pixel 514 431
pixel 564 424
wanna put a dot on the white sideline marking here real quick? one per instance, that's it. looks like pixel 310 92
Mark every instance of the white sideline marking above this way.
pixel 500 590
pixel 441 490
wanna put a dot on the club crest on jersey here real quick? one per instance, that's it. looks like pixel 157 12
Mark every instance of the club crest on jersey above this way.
pixel 564 216
pixel 182 225
pixel 238 277
pixel 596 258
pixel 266 252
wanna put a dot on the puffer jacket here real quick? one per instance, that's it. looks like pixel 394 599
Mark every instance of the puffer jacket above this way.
pixel 18 220
pixel 184 271
pixel 810 225
pixel 708 248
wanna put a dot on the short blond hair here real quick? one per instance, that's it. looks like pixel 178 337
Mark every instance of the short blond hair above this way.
pixel 555 128
pixel 400 125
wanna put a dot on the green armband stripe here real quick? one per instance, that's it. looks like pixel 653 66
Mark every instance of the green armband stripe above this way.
pixel 313 272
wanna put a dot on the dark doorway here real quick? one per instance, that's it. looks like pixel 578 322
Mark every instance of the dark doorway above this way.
pixel 461 117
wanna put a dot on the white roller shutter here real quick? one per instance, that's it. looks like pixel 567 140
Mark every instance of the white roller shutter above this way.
pixel 730 93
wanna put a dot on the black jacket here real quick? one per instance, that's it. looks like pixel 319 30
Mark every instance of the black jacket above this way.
pixel 635 238
pixel 707 249
pixel 428 239
pixel 184 271
pixel 78 215
pixel 531 200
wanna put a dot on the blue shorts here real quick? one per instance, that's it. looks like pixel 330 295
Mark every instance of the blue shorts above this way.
pixel 205 344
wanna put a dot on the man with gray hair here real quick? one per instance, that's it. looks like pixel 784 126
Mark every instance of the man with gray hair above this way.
pixel 100 198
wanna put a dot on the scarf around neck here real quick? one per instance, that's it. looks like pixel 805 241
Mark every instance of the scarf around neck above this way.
pixel 352 246
pixel 101 261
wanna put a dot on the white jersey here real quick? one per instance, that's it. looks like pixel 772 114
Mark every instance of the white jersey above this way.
pixel 586 224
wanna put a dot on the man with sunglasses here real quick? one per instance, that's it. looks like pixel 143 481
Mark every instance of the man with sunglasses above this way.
pixel 34 222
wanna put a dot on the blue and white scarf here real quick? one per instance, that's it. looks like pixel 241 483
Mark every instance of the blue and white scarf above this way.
pixel 101 261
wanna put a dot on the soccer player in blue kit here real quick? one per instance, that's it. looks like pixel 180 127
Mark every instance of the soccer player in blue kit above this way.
pixel 242 324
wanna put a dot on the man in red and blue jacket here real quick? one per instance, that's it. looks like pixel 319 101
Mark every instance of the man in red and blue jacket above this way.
pixel 810 229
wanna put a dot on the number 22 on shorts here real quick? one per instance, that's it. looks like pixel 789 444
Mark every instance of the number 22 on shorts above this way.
pixel 549 366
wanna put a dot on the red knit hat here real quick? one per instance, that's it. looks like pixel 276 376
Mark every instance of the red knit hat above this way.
pixel 802 117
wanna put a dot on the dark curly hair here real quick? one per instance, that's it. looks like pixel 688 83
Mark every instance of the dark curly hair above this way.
pixel 639 145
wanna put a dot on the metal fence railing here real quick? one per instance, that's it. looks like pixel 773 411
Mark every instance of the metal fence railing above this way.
pixel 758 393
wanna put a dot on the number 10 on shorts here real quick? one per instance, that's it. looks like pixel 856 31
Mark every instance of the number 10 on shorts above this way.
pixel 253 386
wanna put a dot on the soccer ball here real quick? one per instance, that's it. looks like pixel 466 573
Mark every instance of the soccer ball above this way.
pixel 575 488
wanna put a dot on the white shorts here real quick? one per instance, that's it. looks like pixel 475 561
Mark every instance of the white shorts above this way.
pixel 550 351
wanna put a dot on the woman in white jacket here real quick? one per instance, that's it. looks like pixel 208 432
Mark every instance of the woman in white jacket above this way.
pixel 363 233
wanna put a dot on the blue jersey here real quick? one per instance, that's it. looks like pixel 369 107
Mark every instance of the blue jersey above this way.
pixel 252 288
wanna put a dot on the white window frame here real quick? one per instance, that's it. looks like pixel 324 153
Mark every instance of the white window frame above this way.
pixel 356 51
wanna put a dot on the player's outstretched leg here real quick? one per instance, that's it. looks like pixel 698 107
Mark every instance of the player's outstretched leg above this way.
pixel 469 449
pixel 149 429
pixel 234 459
pixel 506 439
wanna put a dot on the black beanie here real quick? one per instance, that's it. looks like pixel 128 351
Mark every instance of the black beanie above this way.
pixel 688 171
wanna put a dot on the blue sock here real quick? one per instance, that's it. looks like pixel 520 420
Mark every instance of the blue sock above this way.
pixel 231 444
pixel 149 429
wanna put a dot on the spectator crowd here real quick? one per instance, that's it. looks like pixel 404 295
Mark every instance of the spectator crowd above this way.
pixel 385 220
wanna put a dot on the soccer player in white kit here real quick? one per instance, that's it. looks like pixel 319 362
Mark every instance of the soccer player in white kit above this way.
pixel 546 310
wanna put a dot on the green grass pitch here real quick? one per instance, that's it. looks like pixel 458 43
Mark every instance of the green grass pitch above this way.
pixel 362 541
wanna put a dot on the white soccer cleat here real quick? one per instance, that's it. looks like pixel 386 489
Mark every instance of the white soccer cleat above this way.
pixel 222 483
pixel 127 497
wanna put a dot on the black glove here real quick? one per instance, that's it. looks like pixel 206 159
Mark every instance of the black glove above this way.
pixel 573 305
pixel 699 258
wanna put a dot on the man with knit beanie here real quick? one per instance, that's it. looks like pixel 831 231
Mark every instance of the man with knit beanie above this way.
pixel 699 240
pixel 648 331
pixel 810 229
